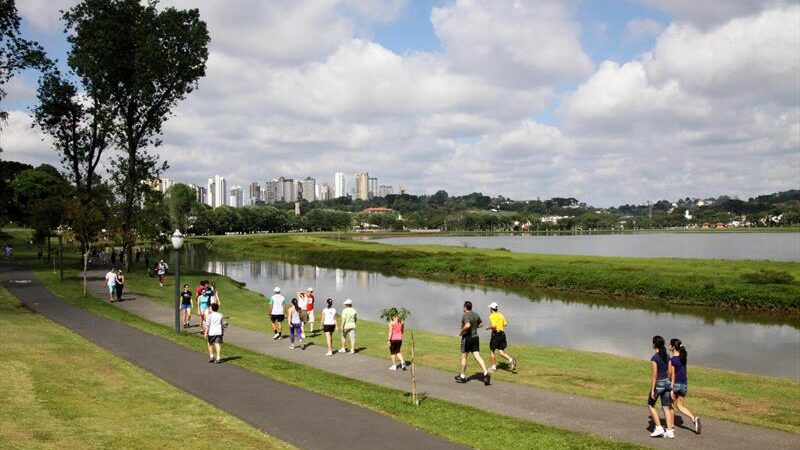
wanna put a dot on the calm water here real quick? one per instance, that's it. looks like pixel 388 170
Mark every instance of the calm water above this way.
pixel 773 246
pixel 740 346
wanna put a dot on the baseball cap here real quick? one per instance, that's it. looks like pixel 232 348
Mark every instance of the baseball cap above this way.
pixel 310 289
pixel 493 305
pixel 276 290
pixel 348 302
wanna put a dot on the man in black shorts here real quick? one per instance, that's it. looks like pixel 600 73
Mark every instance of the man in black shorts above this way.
pixel 470 343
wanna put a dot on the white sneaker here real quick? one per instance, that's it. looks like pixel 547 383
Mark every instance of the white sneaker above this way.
pixel 493 369
pixel 329 354
pixel 658 432
pixel 275 336
pixel 352 351
pixel 392 367
pixel 291 346
pixel 670 434
pixel 342 350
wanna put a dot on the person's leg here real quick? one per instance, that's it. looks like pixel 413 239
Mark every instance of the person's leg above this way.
pixel 479 359
pixel 329 340
pixel 492 357
pixel 343 349
pixel 292 328
pixel 654 415
pixel 681 406
pixel 353 340
pixel 218 348
pixel 402 361
pixel 210 352
pixel 505 355
pixel 668 414
pixel 394 359
pixel 463 365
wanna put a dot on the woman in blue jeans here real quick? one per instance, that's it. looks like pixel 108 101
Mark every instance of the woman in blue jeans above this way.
pixel 660 389
pixel 677 375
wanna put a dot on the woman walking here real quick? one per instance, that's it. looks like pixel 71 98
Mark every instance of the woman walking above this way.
pixel 395 341
pixel 186 305
pixel 120 285
pixel 660 389
pixel 310 309
pixel 329 324
pixel 677 376
pixel 203 302
pixel 213 295
pixel 295 324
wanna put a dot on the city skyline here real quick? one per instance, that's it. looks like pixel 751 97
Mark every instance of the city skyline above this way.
pixel 607 102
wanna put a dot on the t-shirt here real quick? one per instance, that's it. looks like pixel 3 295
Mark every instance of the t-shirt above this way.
pixel 498 321
pixel 310 306
pixel 214 321
pixel 397 332
pixel 662 366
pixel 199 291
pixel 111 278
pixel 349 318
pixel 680 370
pixel 294 315
pixel 276 302
pixel 186 298
pixel 212 298
pixel 474 321
pixel 329 316
pixel 302 303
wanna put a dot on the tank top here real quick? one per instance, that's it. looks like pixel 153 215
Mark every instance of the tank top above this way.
pixel 397 332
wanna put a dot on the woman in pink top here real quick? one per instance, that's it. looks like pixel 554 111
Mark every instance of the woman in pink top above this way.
pixel 395 341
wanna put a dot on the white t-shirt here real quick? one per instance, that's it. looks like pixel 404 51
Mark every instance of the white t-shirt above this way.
pixel 302 303
pixel 214 324
pixel 277 304
pixel 294 315
pixel 329 316
pixel 111 278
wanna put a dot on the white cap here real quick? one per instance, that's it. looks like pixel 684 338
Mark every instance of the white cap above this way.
pixel 493 305
pixel 276 290
pixel 348 302
pixel 310 289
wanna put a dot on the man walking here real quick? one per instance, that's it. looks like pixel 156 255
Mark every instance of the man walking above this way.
pixel 470 343
pixel 214 334
pixel 111 284
pixel 497 323
pixel 277 312
pixel 348 325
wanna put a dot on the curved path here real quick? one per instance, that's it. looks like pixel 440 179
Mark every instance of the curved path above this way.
pixel 238 391
pixel 611 420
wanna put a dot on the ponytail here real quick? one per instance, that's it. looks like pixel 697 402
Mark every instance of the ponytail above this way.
pixel 659 344
pixel 678 345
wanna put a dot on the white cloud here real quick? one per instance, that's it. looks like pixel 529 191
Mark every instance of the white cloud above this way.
pixel 638 29
pixel 513 43
pixel 44 16
pixel 713 12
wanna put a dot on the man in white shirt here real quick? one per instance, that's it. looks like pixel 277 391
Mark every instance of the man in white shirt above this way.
pixel 214 333
pixel 111 284
pixel 276 312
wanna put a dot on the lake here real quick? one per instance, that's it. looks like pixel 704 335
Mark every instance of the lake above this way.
pixel 540 319
pixel 769 246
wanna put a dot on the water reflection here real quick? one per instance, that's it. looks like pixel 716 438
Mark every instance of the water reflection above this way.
pixel 714 341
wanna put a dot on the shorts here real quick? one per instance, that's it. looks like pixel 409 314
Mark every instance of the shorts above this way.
pixel 394 347
pixel 663 389
pixel 203 308
pixel 215 339
pixel 111 288
pixel 498 341
pixel 277 317
pixel 679 389
pixel 470 344
pixel 184 306
pixel 311 316
pixel 328 328
pixel 349 332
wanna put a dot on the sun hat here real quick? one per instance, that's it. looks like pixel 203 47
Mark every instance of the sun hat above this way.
pixel 493 305
pixel 348 302
pixel 276 290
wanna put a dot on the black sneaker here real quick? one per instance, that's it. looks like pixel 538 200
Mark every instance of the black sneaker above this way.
pixel 487 379
pixel 460 379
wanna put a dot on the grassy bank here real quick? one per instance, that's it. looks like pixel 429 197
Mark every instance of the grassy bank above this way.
pixel 61 391
pixel 752 399
pixel 760 286
pixel 454 422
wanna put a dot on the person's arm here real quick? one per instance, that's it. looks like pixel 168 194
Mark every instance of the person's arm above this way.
pixel 464 327
pixel 216 295
pixel 653 375
pixel 672 378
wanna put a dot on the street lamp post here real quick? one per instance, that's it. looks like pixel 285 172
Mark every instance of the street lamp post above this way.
pixel 177 243
pixel 60 233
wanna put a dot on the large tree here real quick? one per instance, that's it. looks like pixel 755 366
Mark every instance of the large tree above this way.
pixel 143 61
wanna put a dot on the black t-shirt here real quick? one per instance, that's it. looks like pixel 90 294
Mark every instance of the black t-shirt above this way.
pixel 662 367
pixel 186 298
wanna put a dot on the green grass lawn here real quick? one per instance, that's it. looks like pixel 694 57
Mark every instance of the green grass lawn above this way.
pixel 753 286
pixel 469 426
pixel 61 391
pixel 758 400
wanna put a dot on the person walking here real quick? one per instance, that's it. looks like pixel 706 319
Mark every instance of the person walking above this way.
pixel 310 309
pixel 395 341
pixel 161 271
pixel 677 377
pixel 660 389
pixel 203 303
pixel 214 334
pixel 213 294
pixel 111 284
pixel 113 256
pixel 294 315
pixel 302 302
pixel 470 343
pixel 348 322
pixel 186 305
pixel 120 285
pixel 276 312
pixel 329 324
pixel 498 343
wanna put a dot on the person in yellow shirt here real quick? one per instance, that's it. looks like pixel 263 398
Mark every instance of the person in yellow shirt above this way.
pixel 498 343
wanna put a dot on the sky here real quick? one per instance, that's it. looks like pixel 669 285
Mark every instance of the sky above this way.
pixel 608 101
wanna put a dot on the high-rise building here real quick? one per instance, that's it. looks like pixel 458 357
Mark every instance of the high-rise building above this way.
pixel 372 187
pixel 309 189
pixel 401 190
pixel 217 191
pixel 362 186
pixel 210 192
pixel 289 190
pixel 164 184
pixel 339 185
pixel 325 192
pixel 255 192
pixel 199 193
pixel 237 197
pixel 271 192
pixel 385 190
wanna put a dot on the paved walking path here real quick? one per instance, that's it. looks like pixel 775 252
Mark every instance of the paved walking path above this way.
pixel 308 421
pixel 603 418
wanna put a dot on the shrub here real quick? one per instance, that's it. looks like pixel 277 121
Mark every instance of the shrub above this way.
pixel 768 276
